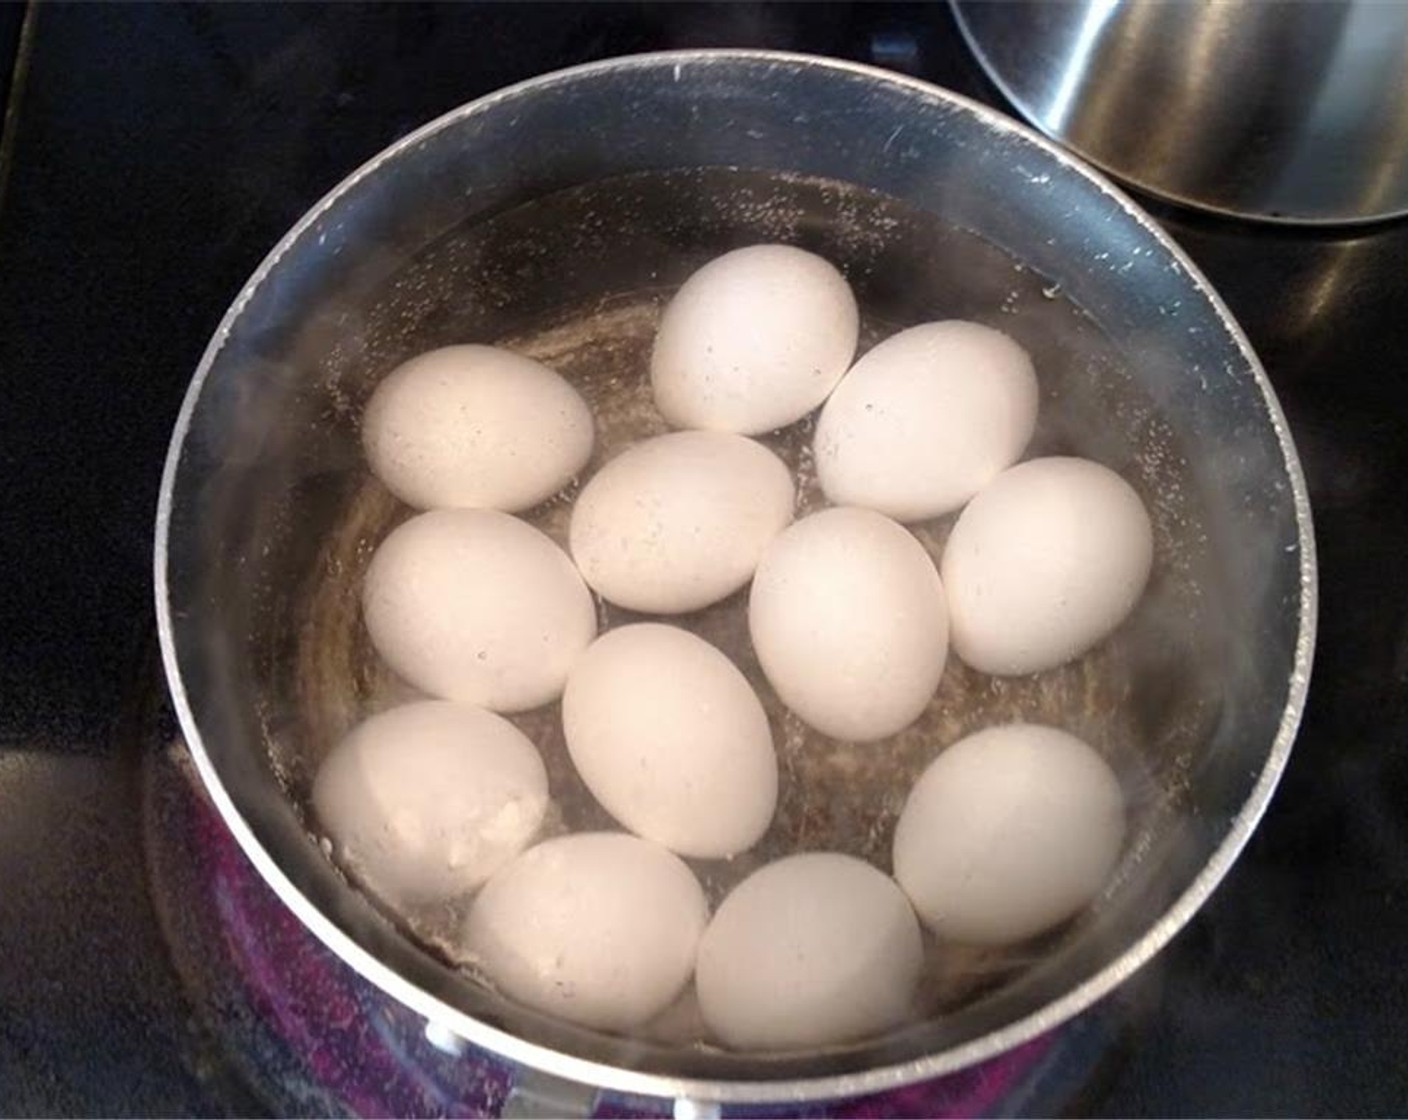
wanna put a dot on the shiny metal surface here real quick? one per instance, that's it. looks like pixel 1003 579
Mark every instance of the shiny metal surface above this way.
pixel 1285 112
pixel 254 452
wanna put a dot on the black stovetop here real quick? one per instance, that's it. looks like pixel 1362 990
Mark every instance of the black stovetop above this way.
pixel 153 153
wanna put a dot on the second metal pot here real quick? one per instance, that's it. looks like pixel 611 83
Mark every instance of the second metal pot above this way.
pixel 1284 112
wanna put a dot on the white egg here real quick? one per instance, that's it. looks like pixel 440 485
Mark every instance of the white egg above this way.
pixel 925 420
pixel 754 340
pixel 680 521
pixel 424 802
pixel 848 620
pixel 1008 833
pixel 477 606
pixel 815 949
pixel 1043 564
pixel 598 928
pixel 475 427
pixel 672 740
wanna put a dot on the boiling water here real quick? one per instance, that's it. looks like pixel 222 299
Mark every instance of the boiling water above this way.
pixel 578 280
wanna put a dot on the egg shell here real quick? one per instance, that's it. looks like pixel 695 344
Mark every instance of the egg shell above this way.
pixel 477 606
pixel 598 928
pixel 475 427
pixel 678 522
pixel 848 620
pixel 1044 563
pixel 753 341
pixel 926 419
pixel 672 740
pixel 1007 833
pixel 814 949
pixel 424 802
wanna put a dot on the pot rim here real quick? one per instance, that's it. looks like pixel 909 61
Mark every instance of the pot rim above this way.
pixel 523 1052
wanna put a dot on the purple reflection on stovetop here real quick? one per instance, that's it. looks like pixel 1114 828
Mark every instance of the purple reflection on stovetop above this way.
pixel 310 1036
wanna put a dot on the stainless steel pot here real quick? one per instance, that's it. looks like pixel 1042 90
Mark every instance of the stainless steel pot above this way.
pixel 1285 112
pixel 553 216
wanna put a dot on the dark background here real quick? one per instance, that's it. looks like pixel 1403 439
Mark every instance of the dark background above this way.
pixel 152 154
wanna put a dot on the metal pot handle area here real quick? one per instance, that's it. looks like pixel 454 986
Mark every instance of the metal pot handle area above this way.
pixel 537 1095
